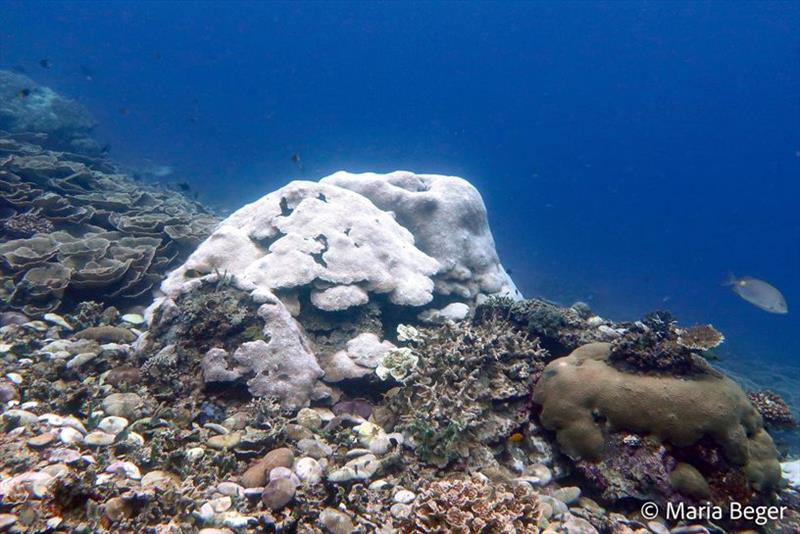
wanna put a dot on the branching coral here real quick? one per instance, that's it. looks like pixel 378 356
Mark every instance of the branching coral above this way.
pixel 470 387
pixel 559 329
pixel 474 506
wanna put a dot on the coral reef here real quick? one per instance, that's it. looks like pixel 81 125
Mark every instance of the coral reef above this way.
pixel 79 230
pixel 285 383
pixel 469 388
pixel 584 397
pixel 105 429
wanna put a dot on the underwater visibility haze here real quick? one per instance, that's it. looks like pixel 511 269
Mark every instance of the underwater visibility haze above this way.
pixel 638 158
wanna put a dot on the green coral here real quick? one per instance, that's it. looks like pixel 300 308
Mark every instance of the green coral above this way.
pixel 433 445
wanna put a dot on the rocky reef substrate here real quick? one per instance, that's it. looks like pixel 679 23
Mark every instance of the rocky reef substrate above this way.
pixel 99 435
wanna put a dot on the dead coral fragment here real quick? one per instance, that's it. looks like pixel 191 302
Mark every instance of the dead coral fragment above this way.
pixel 474 505
pixel 773 409
pixel 701 337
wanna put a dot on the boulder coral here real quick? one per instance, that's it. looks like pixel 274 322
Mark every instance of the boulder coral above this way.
pixel 584 398
pixel 448 219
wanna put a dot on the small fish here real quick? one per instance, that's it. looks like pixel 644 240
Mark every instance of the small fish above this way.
pixel 24 93
pixel 758 293
pixel 124 112
pixel 87 73
pixel 297 161
pixel 184 186
pixel 509 272
pixel 106 148
pixel 516 437
pixel 44 63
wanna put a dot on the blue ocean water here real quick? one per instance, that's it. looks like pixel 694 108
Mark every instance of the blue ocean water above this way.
pixel 631 154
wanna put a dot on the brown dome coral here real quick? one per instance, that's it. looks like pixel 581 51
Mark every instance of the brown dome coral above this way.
pixel 74 228
pixel 585 399
pixel 465 506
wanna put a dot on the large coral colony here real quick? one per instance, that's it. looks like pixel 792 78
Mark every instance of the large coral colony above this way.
pixel 340 356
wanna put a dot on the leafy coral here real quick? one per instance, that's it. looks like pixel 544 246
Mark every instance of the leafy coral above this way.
pixel 474 505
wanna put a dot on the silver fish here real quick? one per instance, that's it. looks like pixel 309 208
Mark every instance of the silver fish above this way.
pixel 759 293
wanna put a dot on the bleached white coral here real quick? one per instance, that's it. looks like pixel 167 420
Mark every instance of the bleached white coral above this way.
pixel 359 358
pixel 325 237
pixel 282 367
pixel 397 363
pixel 447 216
pixel 408 334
